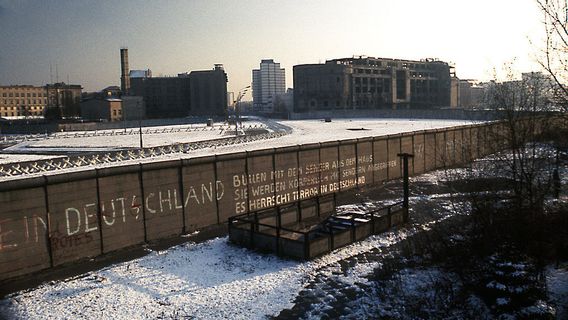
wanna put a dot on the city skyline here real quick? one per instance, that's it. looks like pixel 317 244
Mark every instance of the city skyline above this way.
pixel 81 39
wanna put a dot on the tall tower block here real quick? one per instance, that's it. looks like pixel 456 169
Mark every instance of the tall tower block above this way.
pixel 124 71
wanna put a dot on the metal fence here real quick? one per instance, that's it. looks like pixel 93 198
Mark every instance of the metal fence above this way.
pixel 17 138
pixel 40 166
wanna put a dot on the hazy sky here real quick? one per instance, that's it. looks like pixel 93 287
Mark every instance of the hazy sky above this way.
pixel 83 37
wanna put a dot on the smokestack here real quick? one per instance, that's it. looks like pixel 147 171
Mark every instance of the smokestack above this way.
pixel 124 71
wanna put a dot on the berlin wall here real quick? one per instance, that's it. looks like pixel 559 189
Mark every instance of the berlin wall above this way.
pixel 64 218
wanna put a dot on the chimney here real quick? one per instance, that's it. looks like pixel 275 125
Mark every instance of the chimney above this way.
pixel 124 71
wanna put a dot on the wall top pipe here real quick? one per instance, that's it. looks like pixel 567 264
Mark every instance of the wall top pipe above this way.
pixel 262 152
pixel 113 171
pixel 287 149
pixel 232 156
pixel 25 183
pixel 161 165
pixel 365 139
pixel 348 141
pixel 327 144
pixel 309 146
pixel 72 176
pixel 199 160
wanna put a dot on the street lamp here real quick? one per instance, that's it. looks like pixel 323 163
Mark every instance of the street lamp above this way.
pixel 240 96
pixel 140 124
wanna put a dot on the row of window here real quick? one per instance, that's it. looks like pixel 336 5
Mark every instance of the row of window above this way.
pixel 21 108
pixel 387 71
pixel 336 104
pixel 372 71
pixel 23 95
pixel 422 75
pixel 24 101
pixel 371 89
pixel 20 114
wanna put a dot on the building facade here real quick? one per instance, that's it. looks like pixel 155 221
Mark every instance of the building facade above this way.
pixel 22 101
pixel 372 83
pixel 472 94
pixel 133 108
pixel 201 93
pixel 140 74
pixel 165 97
pixel 109 109
pixel 63 100
pixel 208 92
pixel 268 82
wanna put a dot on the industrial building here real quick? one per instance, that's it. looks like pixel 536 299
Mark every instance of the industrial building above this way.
pixel 109 109
pixel 165 97
pixel 373 83
pixel 124 74
pixel 268 83
pixel 208 92
pixel 197 93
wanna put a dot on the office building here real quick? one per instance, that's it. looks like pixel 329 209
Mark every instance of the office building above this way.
pixel 472 94
pixel 372 83
pixel 268 82
pixel 22 101
pixel 52 100
pixel 63 100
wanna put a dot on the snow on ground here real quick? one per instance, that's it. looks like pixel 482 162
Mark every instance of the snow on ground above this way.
pixel 557 285
pixel 408 287
pixel 130 138
pixel 318 130
pixel 209 280
pixel 11 158
pixel 304 131
pixel 314 131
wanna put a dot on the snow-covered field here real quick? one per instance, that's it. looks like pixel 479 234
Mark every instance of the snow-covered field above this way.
pixel 12 158
pixel 304 131
pixel 211 280
pixel 130 138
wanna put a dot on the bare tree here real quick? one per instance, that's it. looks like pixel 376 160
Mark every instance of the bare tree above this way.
pixel 555 52
pixel 524 105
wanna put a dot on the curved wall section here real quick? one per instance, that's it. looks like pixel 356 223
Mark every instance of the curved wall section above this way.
pixel 64 218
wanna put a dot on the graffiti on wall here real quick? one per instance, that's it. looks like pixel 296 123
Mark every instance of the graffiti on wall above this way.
pixel 215 190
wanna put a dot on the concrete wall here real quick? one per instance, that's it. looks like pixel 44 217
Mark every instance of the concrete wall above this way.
pixel 61 219
pixel 430 113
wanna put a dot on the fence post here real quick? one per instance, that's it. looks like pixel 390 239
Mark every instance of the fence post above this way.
pixel 372 222
pixel 251 234
pixel 353 238
pixel 307 245
pixel 230 226
pixel 405 157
